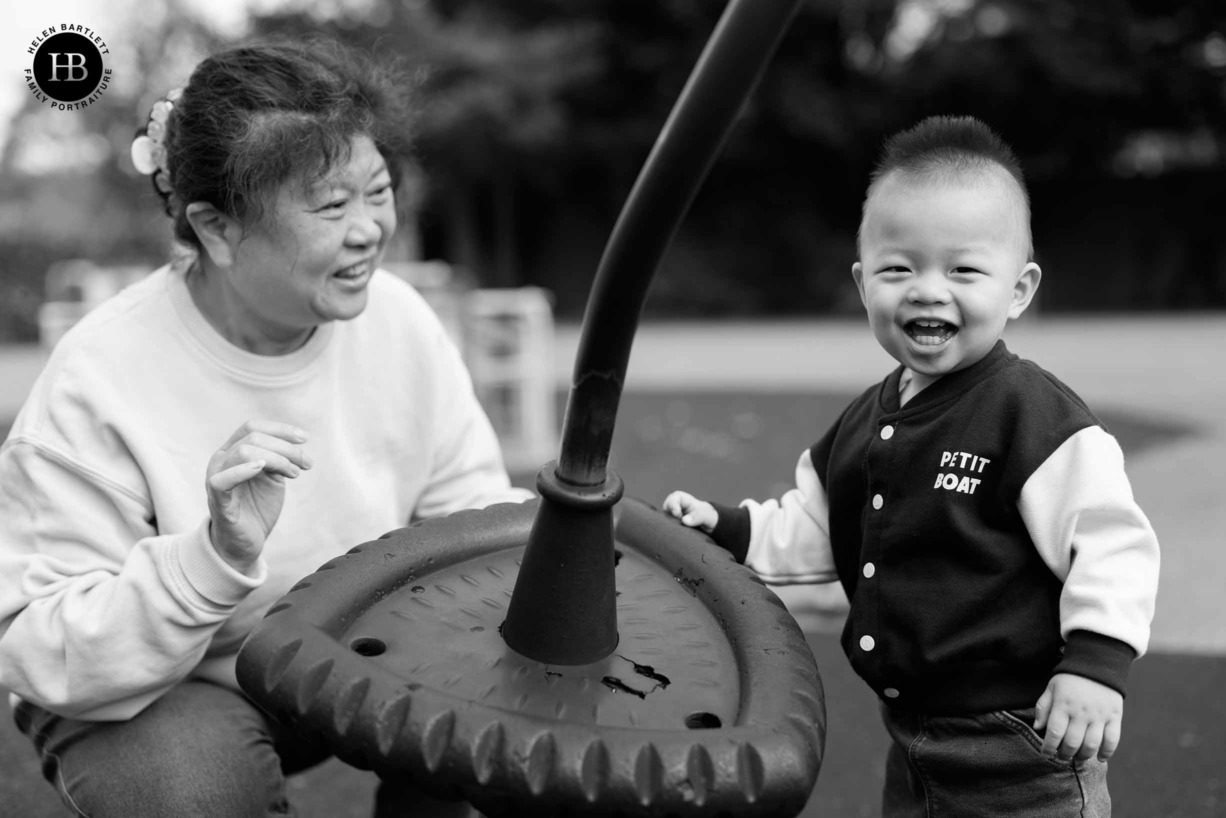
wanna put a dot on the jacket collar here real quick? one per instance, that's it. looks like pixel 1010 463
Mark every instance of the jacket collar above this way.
pixel 946 387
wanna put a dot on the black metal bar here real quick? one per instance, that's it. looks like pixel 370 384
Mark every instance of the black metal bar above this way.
pixel 725 75
pixel 563 608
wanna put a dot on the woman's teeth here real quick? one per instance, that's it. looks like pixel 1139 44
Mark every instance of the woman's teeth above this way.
pixel 354 271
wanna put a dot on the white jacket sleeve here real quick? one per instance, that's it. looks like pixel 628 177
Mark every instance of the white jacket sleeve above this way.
pixel 790 537
pixel 1080 512
pixel 99 615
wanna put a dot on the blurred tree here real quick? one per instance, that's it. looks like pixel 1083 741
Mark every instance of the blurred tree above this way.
pixel 69 188
pixel 1070 82
pixel 493 120
pixel 1118 108
pixel 536 117
pixel 538 114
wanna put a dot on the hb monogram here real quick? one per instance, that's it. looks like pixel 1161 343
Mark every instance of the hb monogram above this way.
pixel 73 63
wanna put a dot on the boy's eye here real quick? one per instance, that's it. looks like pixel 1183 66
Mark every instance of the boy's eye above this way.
pixel 967 270
pixel 896 268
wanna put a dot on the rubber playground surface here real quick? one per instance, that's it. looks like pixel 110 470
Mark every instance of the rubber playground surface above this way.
pixel 724 410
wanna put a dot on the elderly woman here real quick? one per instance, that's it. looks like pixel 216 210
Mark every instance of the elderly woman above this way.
pixel 219 430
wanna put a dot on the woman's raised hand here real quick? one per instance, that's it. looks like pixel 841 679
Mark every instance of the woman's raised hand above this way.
pixel 246 487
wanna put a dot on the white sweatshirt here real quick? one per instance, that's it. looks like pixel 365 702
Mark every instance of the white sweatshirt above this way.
pixel 110 590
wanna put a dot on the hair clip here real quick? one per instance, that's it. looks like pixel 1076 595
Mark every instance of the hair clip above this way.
pixel 149 148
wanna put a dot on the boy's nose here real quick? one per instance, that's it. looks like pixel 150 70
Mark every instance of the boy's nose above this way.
pixel 928 289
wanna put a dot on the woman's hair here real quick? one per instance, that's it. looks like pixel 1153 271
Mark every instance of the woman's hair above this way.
pixel 255 116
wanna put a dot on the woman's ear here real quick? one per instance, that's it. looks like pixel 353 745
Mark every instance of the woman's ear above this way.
pixel 1024 288
pixel 218 233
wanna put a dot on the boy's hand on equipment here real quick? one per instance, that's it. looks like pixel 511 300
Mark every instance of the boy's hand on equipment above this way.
pixel 1081 717
pixel 691 511
pixel 245 484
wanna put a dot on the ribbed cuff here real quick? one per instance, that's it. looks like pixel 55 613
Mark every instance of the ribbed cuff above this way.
pixel 732 531
pixel 1102 658
pixel 206 573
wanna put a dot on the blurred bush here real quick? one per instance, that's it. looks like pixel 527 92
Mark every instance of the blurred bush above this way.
pixel 21 287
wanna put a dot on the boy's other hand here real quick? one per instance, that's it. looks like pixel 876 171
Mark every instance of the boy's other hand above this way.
pixel 1081 716
pixel 691 511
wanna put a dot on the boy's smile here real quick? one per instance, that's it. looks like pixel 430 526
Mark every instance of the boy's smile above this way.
pixel 943 267
pixel 930 332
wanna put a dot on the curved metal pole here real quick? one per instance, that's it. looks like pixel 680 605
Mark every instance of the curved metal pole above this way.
pixel 725 75
pixel 563 609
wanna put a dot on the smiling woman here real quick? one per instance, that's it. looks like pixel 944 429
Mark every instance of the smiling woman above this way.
pixel 219 430
pixel 307 261
pixel 290 231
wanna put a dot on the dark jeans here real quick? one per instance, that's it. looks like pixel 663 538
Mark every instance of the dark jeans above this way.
pixel 984 765
pixel 200 750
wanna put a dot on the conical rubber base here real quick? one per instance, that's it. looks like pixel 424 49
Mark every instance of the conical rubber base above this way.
pixel 564 607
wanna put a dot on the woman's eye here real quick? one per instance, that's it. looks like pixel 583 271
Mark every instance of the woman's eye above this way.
pixel 332 206
pixel 380 193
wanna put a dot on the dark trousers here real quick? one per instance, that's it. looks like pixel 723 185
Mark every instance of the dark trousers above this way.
pixel 199 750
pixel 984 765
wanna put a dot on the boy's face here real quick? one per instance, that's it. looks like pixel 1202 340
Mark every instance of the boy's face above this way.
pixel 943 267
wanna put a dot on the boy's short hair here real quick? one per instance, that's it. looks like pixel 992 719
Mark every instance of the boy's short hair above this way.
pixel 949 145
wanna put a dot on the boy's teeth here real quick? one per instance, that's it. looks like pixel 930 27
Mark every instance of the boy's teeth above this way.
pixel 930 333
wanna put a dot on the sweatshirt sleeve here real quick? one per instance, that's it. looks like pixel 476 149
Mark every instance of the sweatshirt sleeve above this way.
pixel 467 469
pixel 789 538
pixel 1080 512
pixel 99 614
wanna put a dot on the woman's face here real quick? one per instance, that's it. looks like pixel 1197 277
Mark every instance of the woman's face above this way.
pixel 311 258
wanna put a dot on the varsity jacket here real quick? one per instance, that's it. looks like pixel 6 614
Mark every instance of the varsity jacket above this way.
pixel 986 536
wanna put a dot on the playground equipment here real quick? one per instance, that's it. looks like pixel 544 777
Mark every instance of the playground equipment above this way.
pixel 507 339
pixel 579 654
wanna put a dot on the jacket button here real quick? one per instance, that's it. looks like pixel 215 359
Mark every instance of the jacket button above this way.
pixel 869 570
pixel 878 501
pixel 867 643
pixel 887 432
pixel 890 693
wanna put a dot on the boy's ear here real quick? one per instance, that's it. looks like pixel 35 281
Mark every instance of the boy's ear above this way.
pixel 219 234
pixel 857 272
pixel 1024 288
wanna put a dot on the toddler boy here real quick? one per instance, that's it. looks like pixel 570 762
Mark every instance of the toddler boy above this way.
pixel 1001 577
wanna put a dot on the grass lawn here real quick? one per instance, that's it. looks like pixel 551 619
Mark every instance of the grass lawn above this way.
pixel 730 446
